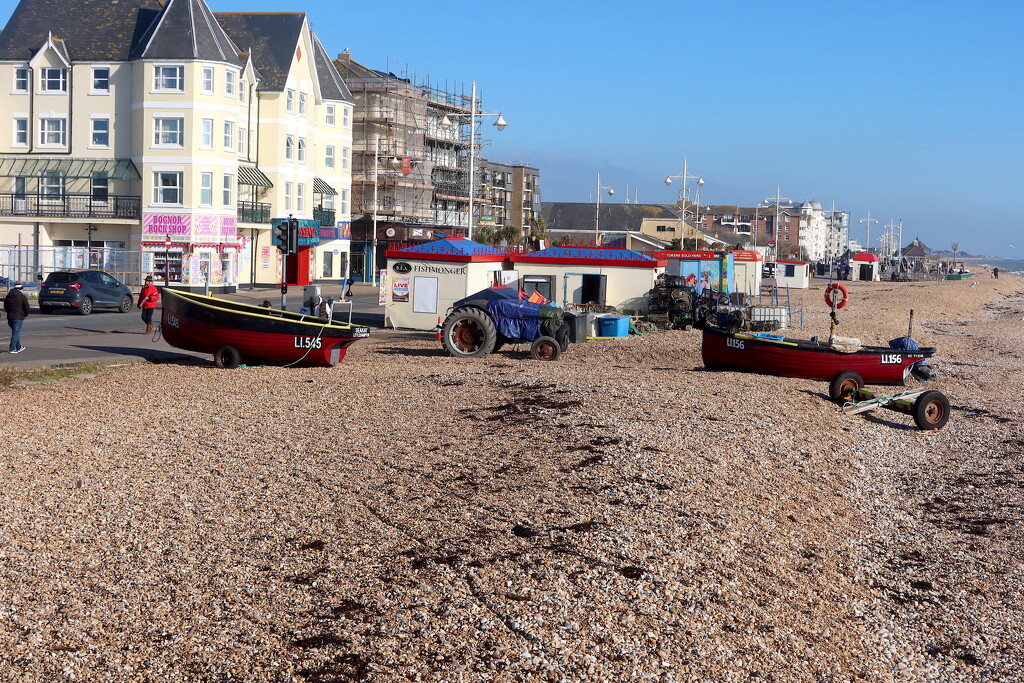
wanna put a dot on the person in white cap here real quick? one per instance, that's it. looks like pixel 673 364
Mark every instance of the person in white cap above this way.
pixel 16 307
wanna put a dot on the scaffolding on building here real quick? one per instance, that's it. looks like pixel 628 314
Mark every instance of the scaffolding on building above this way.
pixel 410 165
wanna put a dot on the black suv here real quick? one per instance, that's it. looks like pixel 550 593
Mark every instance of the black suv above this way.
pixel 84 290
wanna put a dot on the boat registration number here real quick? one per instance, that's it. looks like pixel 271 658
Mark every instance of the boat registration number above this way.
pixel 307 342
pixel 891 359
pixel 734 343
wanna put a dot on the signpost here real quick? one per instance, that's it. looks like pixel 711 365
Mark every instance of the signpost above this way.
pixel 167 260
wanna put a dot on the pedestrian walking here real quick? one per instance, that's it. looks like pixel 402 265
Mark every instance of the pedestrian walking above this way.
pixel 149 297
pixel 16 307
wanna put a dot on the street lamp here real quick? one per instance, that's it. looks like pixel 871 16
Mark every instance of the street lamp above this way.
pixel 597 216
pixel 500 124
pixel 868 220
pixel 777 201
pixel 685 197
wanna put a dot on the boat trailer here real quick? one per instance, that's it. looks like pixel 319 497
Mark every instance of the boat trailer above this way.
pixel 929 408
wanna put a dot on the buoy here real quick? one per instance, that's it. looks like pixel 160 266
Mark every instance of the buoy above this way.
pixel 439 328
pixel 842 296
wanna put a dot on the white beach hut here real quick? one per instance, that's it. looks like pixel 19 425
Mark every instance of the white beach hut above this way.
pixel 794 274
pixel 423 281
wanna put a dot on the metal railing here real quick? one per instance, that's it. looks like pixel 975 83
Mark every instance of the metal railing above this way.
pixel 32 265
pixel 325 216
pixel 253 212
pixel 70 206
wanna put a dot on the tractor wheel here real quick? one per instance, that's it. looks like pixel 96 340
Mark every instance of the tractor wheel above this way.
pixel 545 348
pixel 843 387
pixel 468 333
pixel 931 410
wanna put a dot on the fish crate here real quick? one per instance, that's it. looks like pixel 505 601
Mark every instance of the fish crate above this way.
pixel 769 317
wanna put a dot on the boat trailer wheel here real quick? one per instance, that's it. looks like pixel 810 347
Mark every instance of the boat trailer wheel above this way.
pixel 227 357
pixel 844 386
pixel 931 410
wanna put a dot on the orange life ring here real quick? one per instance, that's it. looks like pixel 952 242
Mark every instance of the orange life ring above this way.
pixel 836 287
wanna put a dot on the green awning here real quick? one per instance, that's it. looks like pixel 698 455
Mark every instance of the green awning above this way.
pixel 250 175
pixel 320 187
pixel 69 167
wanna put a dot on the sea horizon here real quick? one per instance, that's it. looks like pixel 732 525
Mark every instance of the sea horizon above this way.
pixel 1009 265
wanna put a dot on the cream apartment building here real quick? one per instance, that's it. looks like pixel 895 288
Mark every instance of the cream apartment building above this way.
pixel 170 138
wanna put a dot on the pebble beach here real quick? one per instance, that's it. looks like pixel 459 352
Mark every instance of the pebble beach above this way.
pixel 622 514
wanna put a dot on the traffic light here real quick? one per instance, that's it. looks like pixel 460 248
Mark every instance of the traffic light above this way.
pixel 293 236
pixel 281 231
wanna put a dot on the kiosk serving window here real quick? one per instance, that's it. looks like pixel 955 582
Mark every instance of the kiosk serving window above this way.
pixel 424 295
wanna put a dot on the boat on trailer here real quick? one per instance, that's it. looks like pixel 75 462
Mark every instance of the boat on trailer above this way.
pixel 237 333
pixel 808 359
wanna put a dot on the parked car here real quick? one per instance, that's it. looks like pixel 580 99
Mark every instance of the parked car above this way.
pixel 768 270
pixel 84 290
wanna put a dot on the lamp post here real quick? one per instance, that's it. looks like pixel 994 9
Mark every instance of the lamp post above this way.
pixel 868 221
pixel 597 216
pixel 376 175
pixel 500 124
pixel 685 197
pixel 777 200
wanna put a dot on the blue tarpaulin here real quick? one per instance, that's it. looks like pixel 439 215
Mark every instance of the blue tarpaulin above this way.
pixel 903 344
pixel 489 294
pixel 516 319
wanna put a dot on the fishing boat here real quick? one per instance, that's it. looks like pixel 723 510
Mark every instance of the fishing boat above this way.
pixel 237 333
pixel 810 359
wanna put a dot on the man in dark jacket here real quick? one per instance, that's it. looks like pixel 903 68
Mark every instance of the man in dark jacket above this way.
pixel 16 307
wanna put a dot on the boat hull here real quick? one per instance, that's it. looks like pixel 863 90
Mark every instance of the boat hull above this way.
pixel 261 336
pixel 785 357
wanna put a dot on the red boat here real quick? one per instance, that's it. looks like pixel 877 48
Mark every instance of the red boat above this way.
pixel 237 333
pixel 778 355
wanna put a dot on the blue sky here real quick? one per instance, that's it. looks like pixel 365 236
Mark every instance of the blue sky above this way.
pixel 913 111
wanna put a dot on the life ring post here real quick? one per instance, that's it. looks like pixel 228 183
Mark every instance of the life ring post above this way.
pixel 836 296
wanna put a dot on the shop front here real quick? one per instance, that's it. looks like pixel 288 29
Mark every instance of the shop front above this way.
pixel 193 252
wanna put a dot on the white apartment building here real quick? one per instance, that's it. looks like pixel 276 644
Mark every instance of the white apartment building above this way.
pixel 170 138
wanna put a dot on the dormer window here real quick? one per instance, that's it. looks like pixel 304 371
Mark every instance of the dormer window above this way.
pixel 169 78
pixel 53 80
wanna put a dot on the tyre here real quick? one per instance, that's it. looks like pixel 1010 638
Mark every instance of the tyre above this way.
pixel 85 308
pixel 126 304
pixel 562 335
pixel 468 333
pixel 227 357
pixel 545 348
pixel 843 387
pixel 931 410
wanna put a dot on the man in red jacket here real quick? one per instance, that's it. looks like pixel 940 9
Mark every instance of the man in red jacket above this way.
pixel 149 297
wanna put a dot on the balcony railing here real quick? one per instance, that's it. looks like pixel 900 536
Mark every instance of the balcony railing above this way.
pixel 253 212
pixel 325 216
pixel 70 206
